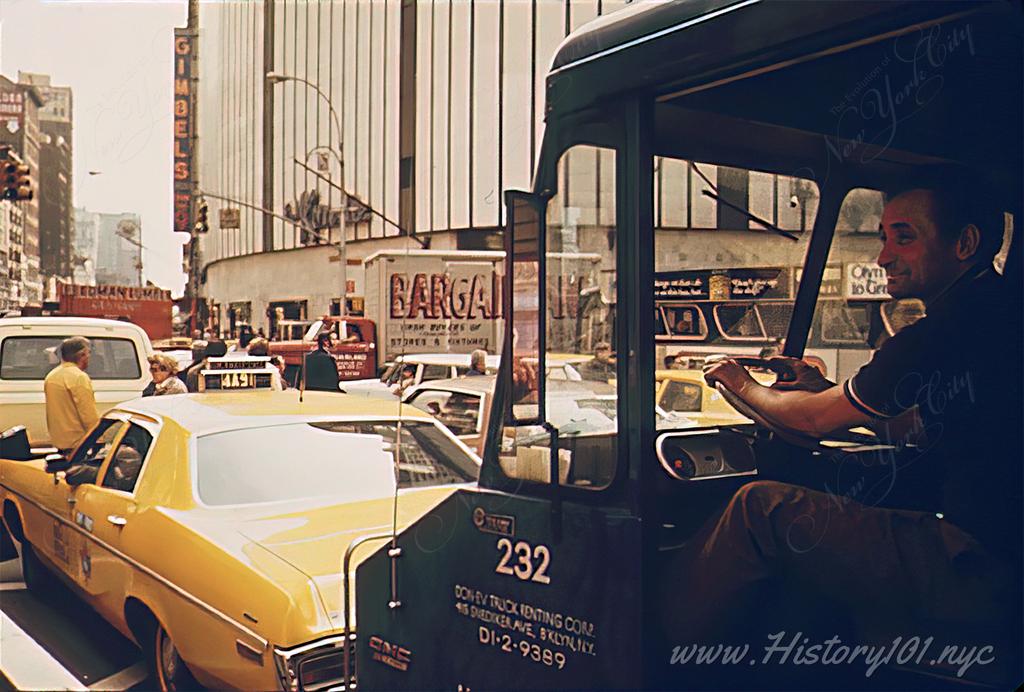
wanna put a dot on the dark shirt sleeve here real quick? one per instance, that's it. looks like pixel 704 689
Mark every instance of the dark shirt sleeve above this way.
pixel 899 372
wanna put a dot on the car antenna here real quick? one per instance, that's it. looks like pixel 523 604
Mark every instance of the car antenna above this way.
pixel 311 333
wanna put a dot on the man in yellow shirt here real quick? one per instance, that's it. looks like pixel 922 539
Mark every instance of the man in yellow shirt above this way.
pixel 70 401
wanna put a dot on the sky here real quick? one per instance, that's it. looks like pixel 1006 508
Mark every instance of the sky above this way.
pixel 117 57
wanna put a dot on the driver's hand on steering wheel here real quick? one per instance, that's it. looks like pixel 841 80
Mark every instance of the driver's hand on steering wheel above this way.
pixel 802 376
pixel 731 374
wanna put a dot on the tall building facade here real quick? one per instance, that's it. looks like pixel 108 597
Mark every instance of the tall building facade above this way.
pixel 422 111
pixel 108 248
pixel 86 247
pixel 19 128
pixel 55 176
pixel 13 264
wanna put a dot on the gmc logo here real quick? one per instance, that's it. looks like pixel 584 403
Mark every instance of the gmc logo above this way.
pixel 393 655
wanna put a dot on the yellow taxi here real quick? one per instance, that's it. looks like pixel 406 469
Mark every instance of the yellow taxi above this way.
pixel 683 394
pixel 216 529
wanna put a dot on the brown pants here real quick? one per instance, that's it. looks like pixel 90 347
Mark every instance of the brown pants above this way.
pixel 891 572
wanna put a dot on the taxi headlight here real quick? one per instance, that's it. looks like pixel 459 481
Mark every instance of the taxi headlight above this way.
pixel 321 669
pixel 316 666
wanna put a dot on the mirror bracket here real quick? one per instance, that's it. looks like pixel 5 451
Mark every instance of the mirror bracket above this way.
pixel 57 463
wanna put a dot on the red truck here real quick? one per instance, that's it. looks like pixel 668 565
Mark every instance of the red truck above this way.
pixel 354 351
pixel 148 307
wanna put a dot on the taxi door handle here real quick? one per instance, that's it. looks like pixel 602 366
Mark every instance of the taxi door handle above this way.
pixel 116 520
pixel 72 501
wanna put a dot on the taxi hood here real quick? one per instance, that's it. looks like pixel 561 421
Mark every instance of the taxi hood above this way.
pixel 314 540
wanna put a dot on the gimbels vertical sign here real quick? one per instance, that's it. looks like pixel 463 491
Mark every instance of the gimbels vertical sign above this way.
pixel 184 122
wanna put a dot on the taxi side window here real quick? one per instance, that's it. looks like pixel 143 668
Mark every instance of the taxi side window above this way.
pixel 436 372
pixel 94 450
pixel 124 468
pixel 86 462
pixel 392 374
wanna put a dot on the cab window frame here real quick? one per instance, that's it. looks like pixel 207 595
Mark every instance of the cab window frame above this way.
pixel 107 421
pixel 602 129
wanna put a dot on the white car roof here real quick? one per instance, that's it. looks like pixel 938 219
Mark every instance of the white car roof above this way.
pixel 463 359
pixel 76 326
pixel 64 321
pixel 444 359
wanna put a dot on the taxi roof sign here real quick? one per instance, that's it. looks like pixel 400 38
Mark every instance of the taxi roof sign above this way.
pixel 238 373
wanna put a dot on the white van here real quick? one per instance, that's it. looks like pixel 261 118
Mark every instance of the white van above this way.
pixel 29 349
pixel 443 366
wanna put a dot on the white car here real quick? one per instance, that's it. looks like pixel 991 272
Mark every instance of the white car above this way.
pixel 439 366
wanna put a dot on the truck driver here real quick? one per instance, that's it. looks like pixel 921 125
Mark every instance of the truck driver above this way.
pixel 955 567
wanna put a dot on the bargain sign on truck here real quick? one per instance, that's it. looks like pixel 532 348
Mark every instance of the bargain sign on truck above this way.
pixel 438 301
pixel 434 301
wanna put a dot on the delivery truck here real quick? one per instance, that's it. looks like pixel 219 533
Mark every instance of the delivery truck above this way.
pixel 439 301
pixel 434 301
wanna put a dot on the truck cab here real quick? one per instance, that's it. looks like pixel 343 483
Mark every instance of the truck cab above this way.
pixel 354 346
pixel 745 144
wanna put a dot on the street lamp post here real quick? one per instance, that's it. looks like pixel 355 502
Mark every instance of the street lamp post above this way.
pixel 277 78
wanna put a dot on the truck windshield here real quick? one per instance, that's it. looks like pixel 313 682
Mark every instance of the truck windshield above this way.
pixel 345 461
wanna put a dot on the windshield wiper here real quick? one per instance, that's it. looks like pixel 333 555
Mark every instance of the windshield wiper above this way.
pixel 715 195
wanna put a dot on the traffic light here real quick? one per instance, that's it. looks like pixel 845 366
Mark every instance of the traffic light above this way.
pixel 14 175
pixel 202 212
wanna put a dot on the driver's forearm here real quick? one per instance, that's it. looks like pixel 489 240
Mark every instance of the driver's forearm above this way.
pixel 813 413
pixel 903 429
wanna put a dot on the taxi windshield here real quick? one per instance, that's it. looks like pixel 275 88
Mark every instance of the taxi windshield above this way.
pixel 346 461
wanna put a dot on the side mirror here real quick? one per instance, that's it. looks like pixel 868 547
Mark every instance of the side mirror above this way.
pixel 14 444
pixel 57 462
pixel 525 306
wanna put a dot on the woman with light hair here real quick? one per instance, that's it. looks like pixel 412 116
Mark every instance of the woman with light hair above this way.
pixel 260 347
pixel 163 368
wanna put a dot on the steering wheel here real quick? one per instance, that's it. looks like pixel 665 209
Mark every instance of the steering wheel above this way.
pixel 783 372
pixel 795 437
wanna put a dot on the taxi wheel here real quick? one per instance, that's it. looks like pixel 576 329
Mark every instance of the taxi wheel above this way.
pixel 37 578
pixel 165 662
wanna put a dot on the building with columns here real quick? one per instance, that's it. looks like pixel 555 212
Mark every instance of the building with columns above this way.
pixel 423 113
pixel 437 107
pixel 55 189
pixel 19 128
